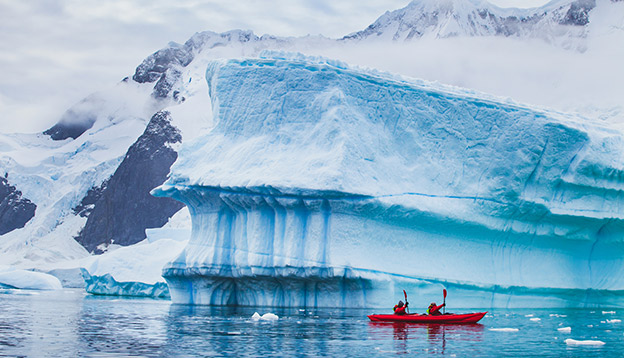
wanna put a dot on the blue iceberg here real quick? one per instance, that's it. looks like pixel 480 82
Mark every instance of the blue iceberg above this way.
pixel 324 185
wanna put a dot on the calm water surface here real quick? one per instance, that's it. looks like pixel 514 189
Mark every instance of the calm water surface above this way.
pixel 70 323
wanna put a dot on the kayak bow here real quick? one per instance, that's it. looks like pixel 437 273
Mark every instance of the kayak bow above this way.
pixel 423 318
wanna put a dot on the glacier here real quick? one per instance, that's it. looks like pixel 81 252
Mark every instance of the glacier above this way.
pixel 325 185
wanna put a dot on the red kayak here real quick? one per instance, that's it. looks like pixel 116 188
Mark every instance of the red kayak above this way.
pixel 423 318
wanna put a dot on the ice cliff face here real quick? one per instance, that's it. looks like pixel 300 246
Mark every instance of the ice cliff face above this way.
pixel 322 184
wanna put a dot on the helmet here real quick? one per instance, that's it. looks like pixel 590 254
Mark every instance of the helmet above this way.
pixel 432 304
pixel 400 303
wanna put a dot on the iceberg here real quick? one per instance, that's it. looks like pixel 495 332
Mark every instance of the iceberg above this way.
pixel 326 185
pixel 574 342
pixel 135 270
pixel 265 317
pixel 11 277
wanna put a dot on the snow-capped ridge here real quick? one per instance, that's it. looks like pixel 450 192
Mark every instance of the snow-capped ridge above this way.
pixel 559 22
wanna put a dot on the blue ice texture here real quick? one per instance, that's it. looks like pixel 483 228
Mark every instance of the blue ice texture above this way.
pixel 325 185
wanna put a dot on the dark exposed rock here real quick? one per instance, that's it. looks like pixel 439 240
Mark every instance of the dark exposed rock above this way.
pixel 15 211
pixel 153 67
pixel 76 120
pixel 165 83
pixel 61 131
pixel 578 14
pixel 125 208
pixel 165 66
pixel 88 202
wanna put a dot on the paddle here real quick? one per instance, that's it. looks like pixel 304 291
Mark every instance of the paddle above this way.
pixel 443 294
pixel 406 309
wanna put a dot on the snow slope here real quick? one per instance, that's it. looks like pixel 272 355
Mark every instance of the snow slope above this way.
pixel 56 175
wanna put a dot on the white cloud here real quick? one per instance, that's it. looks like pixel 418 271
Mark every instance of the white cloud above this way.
pixel 54 53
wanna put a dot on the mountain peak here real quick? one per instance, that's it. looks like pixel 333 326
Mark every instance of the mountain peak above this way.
pixel 452 18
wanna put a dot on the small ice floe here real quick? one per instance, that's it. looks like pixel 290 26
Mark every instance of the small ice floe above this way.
pixel 557 315
pixel 529 315
pixel 503 329
pixel 565 329
pixel 614 320
pixel 265 317
pixel 574 342
pixel 608 312
pixel 235 333
pixel 535 319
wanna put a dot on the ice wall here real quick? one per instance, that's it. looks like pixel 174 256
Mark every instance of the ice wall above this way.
pixel 325 185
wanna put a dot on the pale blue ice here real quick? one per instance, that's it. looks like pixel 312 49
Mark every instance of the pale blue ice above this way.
pixel 326 185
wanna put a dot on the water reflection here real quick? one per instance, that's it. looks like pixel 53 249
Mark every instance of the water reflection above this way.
pixel 430 338
pixel 70 324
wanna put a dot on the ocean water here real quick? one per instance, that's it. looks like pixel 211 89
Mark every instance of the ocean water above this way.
pixel 70 323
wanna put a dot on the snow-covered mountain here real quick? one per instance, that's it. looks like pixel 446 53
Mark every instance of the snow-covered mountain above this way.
pixel 559 22
pixel 84 184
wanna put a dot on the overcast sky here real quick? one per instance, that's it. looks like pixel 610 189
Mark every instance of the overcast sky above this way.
pixel 54 53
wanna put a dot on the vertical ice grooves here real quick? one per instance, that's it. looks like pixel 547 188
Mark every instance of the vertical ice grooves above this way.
pixel 241 230
pixel 326 210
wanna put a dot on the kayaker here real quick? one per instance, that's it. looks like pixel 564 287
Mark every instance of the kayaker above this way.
pixel 434 310
pixel 399 308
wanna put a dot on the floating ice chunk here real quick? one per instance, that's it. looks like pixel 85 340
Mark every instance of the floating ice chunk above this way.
pixel 265 317
pixel 134 270
pixel 614 320
pixel 565 329
pixel 504 329
pixel 535 319
pixel 574 342
pixel 529 315
pixel 557 315
pixel 608 312
pixel 15 278
pixel 269 317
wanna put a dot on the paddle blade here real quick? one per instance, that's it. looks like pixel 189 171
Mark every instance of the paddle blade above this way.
pixel 405 293
pixel 444 292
